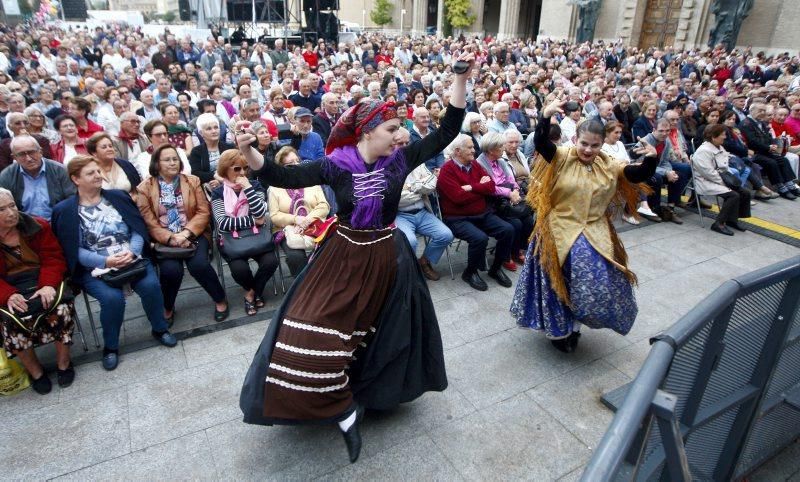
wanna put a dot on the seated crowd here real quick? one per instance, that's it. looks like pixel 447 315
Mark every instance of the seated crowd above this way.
pixel 119 163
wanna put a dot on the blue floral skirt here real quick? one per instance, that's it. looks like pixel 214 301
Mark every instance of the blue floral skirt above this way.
pixel 601 295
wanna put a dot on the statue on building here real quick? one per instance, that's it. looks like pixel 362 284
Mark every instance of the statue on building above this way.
pixel 588 12
pixel 729 15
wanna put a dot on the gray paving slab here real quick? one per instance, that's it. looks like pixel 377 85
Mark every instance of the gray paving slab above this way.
pixel 629 359
pixel 65 437
pixel 175 404
pixel 574 399
pixel 414 459
pixel 241 340
pixel 515 439
pixel 184 458
pixel 387 429
pixel 133 367
pixel 250 452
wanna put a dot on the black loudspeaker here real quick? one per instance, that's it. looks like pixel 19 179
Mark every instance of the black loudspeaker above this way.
pixel 320 5
pixel 74 10
pixel 266 10
pixel 184 10
pixel 329 27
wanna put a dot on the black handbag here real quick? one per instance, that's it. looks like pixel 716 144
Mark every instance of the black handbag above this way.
pixel 27 284
pixel 117 278
pixel 246 243
pixel 506 210
pixel 162 251
pixel 728 178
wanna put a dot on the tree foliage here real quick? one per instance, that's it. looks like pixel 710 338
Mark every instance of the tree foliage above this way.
pixel 381 14
pixel 459 13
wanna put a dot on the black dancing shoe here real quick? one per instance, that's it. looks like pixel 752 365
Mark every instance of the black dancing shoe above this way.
pixel 573 340
pixel 562 344
pixel 352 437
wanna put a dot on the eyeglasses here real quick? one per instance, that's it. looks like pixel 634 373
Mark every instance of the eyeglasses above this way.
pixel 36 116
pixel 25 154
pixel 123 92
pixel 238 169
pixel 158 134
pixel 133 121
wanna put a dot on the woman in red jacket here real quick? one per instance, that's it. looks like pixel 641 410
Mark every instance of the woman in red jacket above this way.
pixel 32 268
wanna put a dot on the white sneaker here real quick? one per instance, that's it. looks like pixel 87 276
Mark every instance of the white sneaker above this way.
pixel 630 219
pixel 645 211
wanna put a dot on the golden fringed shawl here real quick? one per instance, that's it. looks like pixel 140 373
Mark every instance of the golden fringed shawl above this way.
pixel 569 201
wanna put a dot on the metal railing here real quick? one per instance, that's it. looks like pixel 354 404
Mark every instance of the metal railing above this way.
pixel 718 394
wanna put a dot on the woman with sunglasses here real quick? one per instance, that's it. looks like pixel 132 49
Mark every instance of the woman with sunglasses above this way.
pixel 37 125
pixel 158 135
pixel 238 204
pixel 358 328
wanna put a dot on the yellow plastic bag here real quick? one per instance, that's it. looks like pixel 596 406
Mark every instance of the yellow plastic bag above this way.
pixel 13 378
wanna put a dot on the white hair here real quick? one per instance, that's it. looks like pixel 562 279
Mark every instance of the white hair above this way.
pixel 457 143
pixel 207 119
pixel 466 125
pixel 498 106
pixel 492 140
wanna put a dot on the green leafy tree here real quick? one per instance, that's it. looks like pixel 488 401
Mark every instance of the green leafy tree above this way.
pixel 169 17
pixel 459 13
pixel 381 14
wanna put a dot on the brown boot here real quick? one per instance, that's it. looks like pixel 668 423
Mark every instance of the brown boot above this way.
pixel 428 270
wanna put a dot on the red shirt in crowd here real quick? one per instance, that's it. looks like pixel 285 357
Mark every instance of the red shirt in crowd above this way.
pixel 311 59
pixel 455 201
pixel 92 128
pixel 788 129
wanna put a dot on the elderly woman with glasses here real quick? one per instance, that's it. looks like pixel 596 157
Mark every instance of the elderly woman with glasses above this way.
pixel 475 128
pixel 157 134
pixel 238 204
pixel 37 125
pixel 70 144
pixel 17 124
pixel 176 212
pixel 509 204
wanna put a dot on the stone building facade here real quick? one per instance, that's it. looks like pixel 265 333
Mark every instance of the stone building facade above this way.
pixel 770 25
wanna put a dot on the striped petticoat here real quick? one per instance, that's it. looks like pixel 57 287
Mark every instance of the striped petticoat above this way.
pixel 332 314
pixel 601 295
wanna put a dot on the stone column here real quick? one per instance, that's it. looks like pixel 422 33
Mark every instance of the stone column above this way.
pixel 440 17
pixel 420 11
pixel 509 19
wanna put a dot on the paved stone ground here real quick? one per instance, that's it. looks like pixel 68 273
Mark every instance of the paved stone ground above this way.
pixel 515 408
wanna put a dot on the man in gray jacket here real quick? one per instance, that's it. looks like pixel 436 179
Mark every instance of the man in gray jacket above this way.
pixel 415 216
pixel 674 174
pixel 37 183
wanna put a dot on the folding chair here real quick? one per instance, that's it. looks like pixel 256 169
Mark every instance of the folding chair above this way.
pixel 91 318
pixel 438 214
pixel 691 186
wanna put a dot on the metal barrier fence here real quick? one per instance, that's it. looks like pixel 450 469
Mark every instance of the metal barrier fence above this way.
pixel 719 393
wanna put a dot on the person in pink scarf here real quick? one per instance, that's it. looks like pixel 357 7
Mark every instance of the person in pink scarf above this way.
pixel 238 204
